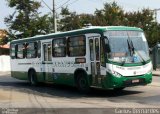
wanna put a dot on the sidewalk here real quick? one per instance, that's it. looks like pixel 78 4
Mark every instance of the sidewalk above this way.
pixel 156 72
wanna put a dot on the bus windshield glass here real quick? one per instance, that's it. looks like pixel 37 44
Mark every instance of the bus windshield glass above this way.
pixel 127 46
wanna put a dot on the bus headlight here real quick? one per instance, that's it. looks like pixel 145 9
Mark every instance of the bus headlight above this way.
pixel 116 74
pixel 149 71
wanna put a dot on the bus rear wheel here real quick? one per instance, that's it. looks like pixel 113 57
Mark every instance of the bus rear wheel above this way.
pixel 32 78
pixel 82 83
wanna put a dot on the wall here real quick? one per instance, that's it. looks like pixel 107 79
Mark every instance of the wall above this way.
pixel 5 63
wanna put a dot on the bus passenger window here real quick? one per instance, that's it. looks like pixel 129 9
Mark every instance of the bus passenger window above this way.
pixel 49 52
pixel 20 51
pixel 102 53
pixel 45 52
pixel 59 47
pixel 13 51
pixel 77 46
pixel 97 48
pixel 31 50
pixel 91 49
pixel 39 50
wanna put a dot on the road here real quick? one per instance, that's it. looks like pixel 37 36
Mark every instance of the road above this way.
pixel 19 94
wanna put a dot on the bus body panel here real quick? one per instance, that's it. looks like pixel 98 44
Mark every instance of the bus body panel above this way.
pixel 111 81
pixel 61 70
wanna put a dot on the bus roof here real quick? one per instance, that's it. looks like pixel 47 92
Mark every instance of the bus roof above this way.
pixel 92 29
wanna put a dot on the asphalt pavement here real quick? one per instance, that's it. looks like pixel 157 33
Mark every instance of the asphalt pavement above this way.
pixel 16 95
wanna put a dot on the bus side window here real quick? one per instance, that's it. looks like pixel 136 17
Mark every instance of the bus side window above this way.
pixel 59 47
pixel 91 49
pixel 35 49
pixel 76 46
pixel 97 48
pixel 16 50
pixel 31 50
pixel 39 49
pixel 20 51
pixel 102 53
pixel 13 51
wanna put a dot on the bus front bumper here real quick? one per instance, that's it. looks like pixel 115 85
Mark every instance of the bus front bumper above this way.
pixel 111 81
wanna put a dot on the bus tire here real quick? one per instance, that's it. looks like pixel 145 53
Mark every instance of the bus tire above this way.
pixel 82 83
pixel 32 78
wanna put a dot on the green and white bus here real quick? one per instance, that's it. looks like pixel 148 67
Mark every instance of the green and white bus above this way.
pixel 111 57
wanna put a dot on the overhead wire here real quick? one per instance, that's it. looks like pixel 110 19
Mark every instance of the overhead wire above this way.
pixel 67 4
pixel 63 4
pixel 46 5
pixel 72 2
pixel 60 5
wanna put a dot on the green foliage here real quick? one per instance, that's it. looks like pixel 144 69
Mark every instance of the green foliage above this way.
pixel 113 15
pixel 68 21
pixel 144 19
pixel 3 41
pixel 26 20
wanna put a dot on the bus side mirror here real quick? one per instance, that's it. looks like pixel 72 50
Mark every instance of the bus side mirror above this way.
pixel 108 50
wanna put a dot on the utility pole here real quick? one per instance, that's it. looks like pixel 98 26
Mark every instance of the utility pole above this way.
pixel 54 17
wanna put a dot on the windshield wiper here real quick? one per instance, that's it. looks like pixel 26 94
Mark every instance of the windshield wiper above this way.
pixel 130 51
pixel 130 47
pixel 135 50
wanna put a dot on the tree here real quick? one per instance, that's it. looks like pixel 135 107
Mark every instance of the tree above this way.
pixel 144 19
pixel 86 19
pixel 26 20
pixel 110 15
pixel 114 15
pixel 69 20
pixel 3 37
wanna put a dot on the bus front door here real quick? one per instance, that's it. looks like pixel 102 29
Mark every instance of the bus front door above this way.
pixel 47 61
pixel 94 44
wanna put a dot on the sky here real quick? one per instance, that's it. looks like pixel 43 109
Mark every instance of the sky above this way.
pixel 84 6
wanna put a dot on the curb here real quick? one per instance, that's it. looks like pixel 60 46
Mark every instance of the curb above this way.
pixel 154 84
pixel 157 75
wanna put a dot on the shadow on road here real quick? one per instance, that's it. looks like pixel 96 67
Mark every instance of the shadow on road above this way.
pixel 52 90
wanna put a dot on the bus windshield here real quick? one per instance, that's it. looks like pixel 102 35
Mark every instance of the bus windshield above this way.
pixel 127 46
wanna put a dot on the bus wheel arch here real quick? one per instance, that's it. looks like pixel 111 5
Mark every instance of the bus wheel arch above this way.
pixel 81 80
pixel 32 76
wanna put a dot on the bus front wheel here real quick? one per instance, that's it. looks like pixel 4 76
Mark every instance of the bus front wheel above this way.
pixel 82 83
pixel 32 78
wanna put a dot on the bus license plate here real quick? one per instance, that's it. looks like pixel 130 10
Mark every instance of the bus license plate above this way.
pixel 135 81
